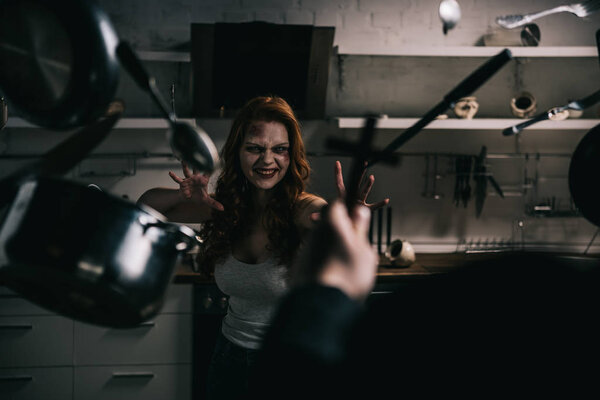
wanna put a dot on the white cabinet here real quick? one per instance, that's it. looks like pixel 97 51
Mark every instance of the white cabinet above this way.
pixel 38 341
pixel 36 383
pixel 46 356
pixel 143 382
pixel 164 340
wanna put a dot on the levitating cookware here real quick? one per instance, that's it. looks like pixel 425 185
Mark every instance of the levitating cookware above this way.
pixel 189 144
pixel 574 105
pixel 87 254
pixel 464 89
pixel 58 66
pixel 72 249
pixel 583 176
pixel 581 9
pixel 449 12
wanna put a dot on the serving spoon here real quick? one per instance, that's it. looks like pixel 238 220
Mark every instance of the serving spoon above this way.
pixel 189 144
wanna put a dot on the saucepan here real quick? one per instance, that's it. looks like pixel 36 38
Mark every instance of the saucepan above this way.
pixel 87 254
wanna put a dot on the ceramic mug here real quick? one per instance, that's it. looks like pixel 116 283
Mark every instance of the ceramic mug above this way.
pixel 523 105
pixel 400 253
pixel 466 107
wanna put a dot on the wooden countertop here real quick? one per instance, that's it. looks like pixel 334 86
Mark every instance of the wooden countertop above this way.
pixel 425 264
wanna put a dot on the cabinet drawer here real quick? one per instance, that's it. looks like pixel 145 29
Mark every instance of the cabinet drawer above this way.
pixel 167 339
pixel 36 383
pixel 178 299
pixel 152 382
pixel 36 341
pixel 11 303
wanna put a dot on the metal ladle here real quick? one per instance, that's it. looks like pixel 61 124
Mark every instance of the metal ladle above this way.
pixel 449 14
pixel 192 145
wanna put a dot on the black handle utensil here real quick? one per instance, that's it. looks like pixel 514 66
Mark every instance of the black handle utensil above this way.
pixel 189 144
pixel 465 88
pixel 578 105
pixel 481 179
pixel 361 153
pixel 64 156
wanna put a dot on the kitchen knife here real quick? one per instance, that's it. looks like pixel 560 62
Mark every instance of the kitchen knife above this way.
pixel 579 105
pixel 466 191
pixel 458 167
pixel 480 181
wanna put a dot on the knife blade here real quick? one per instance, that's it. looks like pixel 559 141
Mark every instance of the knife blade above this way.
pixel 497 187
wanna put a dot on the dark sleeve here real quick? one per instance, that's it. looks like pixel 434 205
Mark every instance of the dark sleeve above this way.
pixel 305 347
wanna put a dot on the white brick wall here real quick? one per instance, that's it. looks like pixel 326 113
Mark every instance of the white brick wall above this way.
pixel 399 22
pixel 402 86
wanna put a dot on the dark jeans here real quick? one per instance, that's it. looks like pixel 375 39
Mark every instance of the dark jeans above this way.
pixel 229 370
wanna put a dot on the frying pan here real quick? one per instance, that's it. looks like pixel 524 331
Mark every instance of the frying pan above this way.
pixel 583 176
pixel 583 171
pixel 58 66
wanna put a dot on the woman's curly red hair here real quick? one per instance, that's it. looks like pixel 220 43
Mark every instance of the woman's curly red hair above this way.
pixel 233 190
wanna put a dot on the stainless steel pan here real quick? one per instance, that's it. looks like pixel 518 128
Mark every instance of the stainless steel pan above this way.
pixel 583 176
pixel 87 254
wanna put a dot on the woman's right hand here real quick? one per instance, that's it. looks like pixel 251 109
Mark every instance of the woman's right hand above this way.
pixel 193 186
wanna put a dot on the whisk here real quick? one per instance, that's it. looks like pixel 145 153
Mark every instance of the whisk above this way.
pixel 582 9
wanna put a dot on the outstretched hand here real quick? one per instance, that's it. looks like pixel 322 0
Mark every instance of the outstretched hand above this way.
pixel 363 191
pixel 194 185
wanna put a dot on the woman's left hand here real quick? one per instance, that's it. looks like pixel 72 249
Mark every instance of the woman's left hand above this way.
pixel 363 191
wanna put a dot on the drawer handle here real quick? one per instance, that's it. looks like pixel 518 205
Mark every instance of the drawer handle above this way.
pixel 133 374
pixel 147 324
pixel 7 378
pixel 16 326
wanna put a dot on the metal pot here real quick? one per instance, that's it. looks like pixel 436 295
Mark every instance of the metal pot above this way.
pixel 87 254
pixel 58 64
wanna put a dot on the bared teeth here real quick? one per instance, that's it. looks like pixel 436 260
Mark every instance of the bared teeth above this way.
pixel 266 171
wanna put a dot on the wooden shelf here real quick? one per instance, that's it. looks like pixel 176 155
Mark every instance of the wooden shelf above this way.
pixel 471 51
pixel 417 51
pixel 472 124
pixel 123 123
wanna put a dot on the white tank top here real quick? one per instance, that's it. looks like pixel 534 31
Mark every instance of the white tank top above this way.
pixel 254 292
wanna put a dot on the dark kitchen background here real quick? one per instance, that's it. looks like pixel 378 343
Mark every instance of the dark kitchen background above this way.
pixel 387 57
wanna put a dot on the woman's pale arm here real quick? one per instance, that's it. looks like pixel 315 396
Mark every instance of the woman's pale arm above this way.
pixel 172 205
pixel 191 203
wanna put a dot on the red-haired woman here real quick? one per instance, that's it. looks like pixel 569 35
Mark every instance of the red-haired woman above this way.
pixel 252 227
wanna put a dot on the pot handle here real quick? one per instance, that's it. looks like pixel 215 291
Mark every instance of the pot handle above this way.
pixel 187 236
